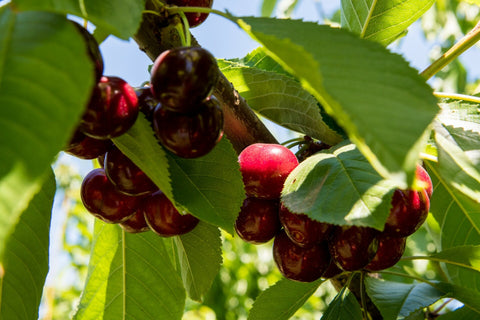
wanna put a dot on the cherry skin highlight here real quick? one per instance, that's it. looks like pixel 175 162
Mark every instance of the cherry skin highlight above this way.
pixel 101 198
pixel 258 220
pixel 164 219
pixel 423 176
pixel 265 168
pixel 297 263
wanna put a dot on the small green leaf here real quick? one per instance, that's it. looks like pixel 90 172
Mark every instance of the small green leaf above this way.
pixel 120 19
pixel 339 186
pixel 281 99
pixel 282 300
pixel 382 20
pixel 344 306
pixel 25 263
pixel 200 256
pixel 267 7
pixel 38 51
pixel 463 256
pixel 360 84
pixel 130 276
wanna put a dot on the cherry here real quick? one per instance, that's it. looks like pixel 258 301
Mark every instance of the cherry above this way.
pixel 297 263
pixel 112 110
pixel 409 211
pixel 423 176
pixel 353 247
pixel 258 220
pixel 389 252
pixel 302 230
pixel 125 175
pixel 189 135
pixel 264 168
pixel 146 101
pixel 85 147
pixel 181 78
pixel 92 50
pixel 194 18
pixel 332 270
pixel 164 219
pixel 101 198
pixel 136 223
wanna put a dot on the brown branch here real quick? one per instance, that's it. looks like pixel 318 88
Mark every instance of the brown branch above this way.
pixel 242 127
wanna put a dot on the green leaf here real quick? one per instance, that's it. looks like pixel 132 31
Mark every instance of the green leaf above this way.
pixel 26 258
pixel 200 256
pixel 463 256
pixel 282 300
pixel 382 20
pixel 38 52
pixel 463 313
pixel 344 306
pixel 267 7
pixel 280 98
pixel 120 19
pixel 209 187
pixel 396 300
pixel 383 104
pixel 339 186
pixel 130 276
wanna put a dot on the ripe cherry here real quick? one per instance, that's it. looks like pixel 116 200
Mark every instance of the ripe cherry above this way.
pixel 390 251
pixel 92 50
pixel 112 110
pixel 302 230
pixel 409 211
pixel 332 270
pixel 164 219
pixel 136 223
pixel 264 168
pixel 423 176
pixel 353 247
pixel 127 177
pixel 181 78
pixel 297 263
pixel 189 135
pixel 258 220
pixel 194 18
pixel 101 198
pixel 146 101
pixel 85 147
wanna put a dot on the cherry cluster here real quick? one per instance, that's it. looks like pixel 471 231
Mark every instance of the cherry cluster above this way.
pixel 305 249
pixel 187 120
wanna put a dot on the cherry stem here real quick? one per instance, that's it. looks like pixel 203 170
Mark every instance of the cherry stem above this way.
pixel 457 96
pixel 362 296
pixel 187 39
pixel 457 49
pixel 443 305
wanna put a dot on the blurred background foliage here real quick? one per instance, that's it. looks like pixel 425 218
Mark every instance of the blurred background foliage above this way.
pixel 248 269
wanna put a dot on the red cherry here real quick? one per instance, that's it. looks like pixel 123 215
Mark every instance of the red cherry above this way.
pixel 258 220
pixel 390 251
pixel 112 110
pixel 297 263
pixel 332 270
pixel 136 223
pixel 101 198
pixel 353 247
pixel 302 230
pixel 194 18
pixel 164 219
pixel 265 168
pixel 85 147
pixel 146 101
pixel 423 176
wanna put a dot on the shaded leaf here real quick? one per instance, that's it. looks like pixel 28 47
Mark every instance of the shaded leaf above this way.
pixel 360 84
pixel 463 256
pixel 25 264
pixel 463 313
pixel 130 276
pixel 37 52
pixel 382 20
pixel 282 300
pixel 344 306
pixel 339 186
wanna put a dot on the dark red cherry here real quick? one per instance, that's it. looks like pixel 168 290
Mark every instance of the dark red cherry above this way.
pixel 112 110
pixel 146 101
pixel 423 176
pixel 194 18
pixel 101 198
pixel 93 50
pixel 258 220
pixel 297 263
pixel 302 230
pixel 409 211
pixel 265 168
pixel 164 219
pixel 85 147
pixel 181 78
pixel 389 252
pixel 332 270
pixel 136 223
pixel 125 175
pixel 352 247
pixel 189 135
